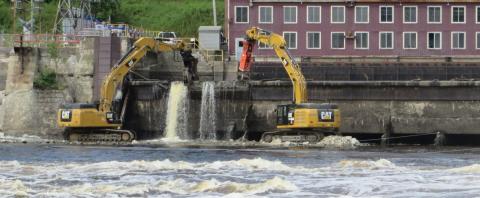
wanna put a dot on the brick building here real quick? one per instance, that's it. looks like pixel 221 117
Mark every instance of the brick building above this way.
pixel 361 28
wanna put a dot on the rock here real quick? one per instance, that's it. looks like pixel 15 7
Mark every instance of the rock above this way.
pixel 340 142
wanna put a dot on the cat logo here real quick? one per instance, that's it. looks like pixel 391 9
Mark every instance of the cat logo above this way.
pixel 130 63
pixel 326 115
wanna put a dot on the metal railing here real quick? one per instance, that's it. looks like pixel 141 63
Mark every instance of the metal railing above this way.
pixel 208 54
pixel 39 40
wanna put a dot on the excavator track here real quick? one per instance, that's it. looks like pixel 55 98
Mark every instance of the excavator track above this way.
pixel 99 135
pixel 293 136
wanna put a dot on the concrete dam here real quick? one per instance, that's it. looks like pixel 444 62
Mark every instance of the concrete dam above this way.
pixel 377 98
pixel 368 107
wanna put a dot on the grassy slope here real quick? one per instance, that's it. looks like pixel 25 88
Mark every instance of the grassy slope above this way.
pixel 182 16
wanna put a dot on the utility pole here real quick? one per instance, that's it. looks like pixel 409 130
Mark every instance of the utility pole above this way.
pixel 14 9
pixel 214 13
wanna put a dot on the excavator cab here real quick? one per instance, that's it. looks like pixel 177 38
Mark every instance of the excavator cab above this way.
pixel 306 122
pixel 309 115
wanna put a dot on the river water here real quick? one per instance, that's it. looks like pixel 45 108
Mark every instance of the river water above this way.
pixel 45 170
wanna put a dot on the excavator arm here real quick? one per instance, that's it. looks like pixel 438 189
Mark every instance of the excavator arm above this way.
pixel 278 44
pixel 134 55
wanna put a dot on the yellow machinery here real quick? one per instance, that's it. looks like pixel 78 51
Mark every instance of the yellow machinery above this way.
pixel 300 121
pixel 103 122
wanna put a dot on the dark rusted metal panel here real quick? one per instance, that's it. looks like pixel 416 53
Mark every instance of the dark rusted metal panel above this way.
pixel 107 53
pixel 371 90
pixel 371 71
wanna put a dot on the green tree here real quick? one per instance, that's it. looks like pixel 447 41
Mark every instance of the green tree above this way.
pixel 5 16
pixel 105 9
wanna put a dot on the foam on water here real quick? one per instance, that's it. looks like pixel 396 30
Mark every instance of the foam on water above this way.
pixel 253 164
pixel 25 138
pixel 180 186
pixel 474 168
pixel 367 164
pixel 340 142
pixel 281 174
pixel 274 184
pixel 115 177
pixel 13 188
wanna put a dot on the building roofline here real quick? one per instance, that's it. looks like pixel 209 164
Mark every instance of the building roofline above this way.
pixel 365 1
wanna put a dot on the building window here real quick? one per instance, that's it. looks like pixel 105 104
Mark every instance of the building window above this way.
pixel 338 14
pixel 313 40
pixel 386 40
pixel 361 14
pixel 410 14
pixel 290 14
pixel 265 14
pixel 409 40
pixel 361 40
pixel 477 10
pixel 434 40
pixel 314 14
pixel 338 40
pixel 386 14
pixel 241 14
pixel 458 40
pixel 478 40
pixel 458 14
pixel 434 14
pixel 290 39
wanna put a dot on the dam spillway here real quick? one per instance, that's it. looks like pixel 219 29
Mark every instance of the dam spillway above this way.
pixel 208 114
pixel 177 119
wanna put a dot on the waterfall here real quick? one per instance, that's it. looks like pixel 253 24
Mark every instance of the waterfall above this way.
pixel 177 112
pixel 207 112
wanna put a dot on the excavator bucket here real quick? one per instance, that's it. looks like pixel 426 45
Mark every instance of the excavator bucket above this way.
pixel 246 59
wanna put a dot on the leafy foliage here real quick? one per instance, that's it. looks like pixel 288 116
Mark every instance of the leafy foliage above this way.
pixel 5 16
pixel 105 9
pixel 46 79
pixel 181 16
pixel 52 49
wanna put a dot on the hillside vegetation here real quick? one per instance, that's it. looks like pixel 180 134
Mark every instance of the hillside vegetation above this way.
pixel 182 16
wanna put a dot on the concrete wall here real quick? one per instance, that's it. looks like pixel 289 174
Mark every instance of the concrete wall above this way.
pixel 403 107
pixel 146 112
pixel 4 59
pixel 26 110
pixel 375 107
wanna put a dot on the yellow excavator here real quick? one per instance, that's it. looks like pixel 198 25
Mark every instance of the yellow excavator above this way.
pixel 102 122
pixel 300 121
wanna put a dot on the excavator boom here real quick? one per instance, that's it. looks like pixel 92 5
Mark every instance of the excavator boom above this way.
pixel 134 55
pixel 291 66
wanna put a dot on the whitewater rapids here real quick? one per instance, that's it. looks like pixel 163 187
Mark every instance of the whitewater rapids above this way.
pixel 82 171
